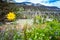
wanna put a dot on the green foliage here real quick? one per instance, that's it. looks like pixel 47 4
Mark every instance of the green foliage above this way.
pixel 49 30
pixel 38 19
pixel 10 34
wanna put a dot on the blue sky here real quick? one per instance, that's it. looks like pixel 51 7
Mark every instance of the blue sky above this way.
pixel 44 2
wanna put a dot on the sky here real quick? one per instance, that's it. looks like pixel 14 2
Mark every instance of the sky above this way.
pixel 43 2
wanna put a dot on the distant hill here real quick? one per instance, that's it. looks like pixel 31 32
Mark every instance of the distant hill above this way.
pixel 38 5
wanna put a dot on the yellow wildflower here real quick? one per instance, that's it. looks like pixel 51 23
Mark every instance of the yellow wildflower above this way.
pixel 11 16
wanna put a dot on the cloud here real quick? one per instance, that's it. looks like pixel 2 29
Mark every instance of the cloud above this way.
pixel 56 3
pixel 20 1
pixel 38 1
pixel 47 2
pixel 44 2
pixel 34 1
pixel 50 1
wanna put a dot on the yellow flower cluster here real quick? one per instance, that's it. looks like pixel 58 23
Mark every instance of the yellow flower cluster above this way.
pixel 11 16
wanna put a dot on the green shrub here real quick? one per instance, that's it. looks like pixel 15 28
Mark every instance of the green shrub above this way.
pixel 49 30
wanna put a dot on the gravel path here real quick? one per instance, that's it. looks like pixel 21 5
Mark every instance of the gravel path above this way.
pixel 25 21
